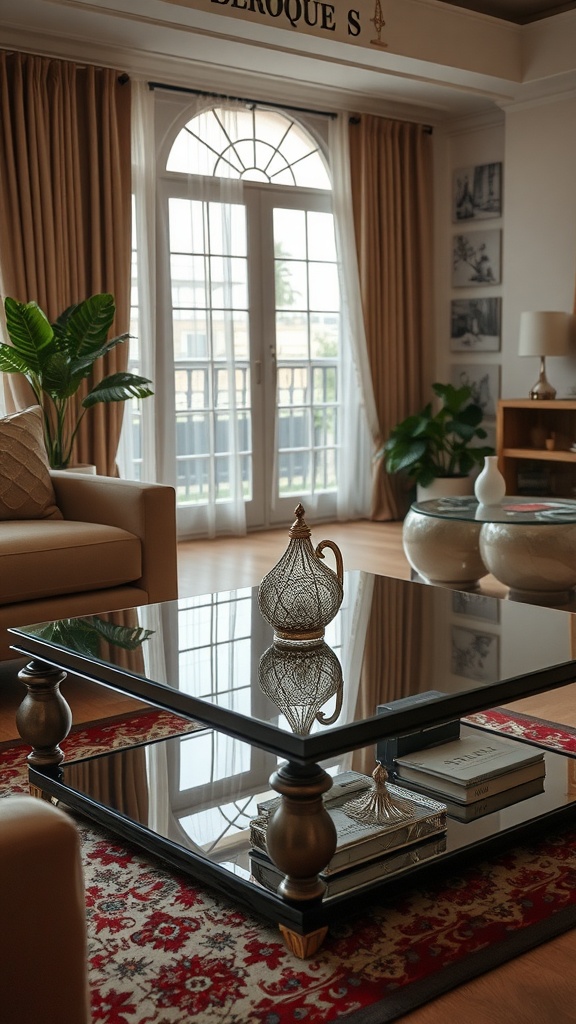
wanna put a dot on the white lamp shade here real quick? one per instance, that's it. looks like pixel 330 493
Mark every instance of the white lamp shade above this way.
pixel 544 333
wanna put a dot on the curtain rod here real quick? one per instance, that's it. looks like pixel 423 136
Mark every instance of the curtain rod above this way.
pixel 356 118
pixel 237 99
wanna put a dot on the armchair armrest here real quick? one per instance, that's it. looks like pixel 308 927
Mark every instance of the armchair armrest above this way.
pixel 43 937
pixel 147 510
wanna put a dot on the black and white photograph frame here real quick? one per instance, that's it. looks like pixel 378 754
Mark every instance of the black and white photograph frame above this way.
pixel 475 324
pixel 484 379
pixel 476 606
pixel 476 258
pixel 474 654
pixel 477 192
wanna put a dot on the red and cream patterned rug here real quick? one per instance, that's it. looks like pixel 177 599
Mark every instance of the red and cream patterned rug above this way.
pixel 164 950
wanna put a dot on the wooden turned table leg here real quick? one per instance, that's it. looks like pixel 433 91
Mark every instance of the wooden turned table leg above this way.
pixel 44 717
pixel 301 836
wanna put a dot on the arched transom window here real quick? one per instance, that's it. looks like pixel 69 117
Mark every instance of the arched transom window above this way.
pixel 252 145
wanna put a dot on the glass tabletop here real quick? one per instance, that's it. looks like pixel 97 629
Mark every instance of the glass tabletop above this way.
pixel 535 511
pixel 213 658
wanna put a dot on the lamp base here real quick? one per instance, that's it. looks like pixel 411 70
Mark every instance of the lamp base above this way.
pixel 543 389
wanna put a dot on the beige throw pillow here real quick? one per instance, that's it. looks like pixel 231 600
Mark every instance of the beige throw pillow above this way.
pixel 26 490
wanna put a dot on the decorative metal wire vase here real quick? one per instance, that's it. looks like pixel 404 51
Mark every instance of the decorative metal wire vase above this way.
pixel 300 680
pixel 300 595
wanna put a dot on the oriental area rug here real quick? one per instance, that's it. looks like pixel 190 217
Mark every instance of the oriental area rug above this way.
pixel 163 950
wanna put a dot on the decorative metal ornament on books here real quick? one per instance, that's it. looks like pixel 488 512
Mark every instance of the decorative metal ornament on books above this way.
pixel 300 681
pixel 300 595
pixel 380 805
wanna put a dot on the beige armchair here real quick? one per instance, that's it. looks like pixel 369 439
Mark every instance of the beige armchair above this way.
pixel 44 973
pixel 115 548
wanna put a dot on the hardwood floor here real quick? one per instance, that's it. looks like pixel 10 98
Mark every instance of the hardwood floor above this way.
pixel 537 988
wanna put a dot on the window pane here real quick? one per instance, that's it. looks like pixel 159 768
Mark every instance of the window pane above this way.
pixel 293 383
pixel 324 290
pixel 229 282
pixel 294 473
pixel 227 229
pixel 230 327
pixel 321 241
pixel 324 335
pixel 291 284
pixel 290 234
pixel 291 336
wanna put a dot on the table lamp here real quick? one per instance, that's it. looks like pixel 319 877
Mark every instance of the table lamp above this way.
pixel 544 334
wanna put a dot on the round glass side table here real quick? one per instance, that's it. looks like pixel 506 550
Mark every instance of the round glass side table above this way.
pixel 528 544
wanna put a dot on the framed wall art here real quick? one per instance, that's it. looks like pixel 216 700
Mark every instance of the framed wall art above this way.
pixel 477 192
pixel 484 381
pixel 476 258
pixel 474 654
pixel 475 325
pixel 478 606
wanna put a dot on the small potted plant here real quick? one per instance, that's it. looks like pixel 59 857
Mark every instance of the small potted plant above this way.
pixel 56 358
pixel 432 445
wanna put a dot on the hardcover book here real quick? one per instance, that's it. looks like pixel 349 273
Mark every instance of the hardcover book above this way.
pixel 357 841
pixel 469 769
pixel 345 784
pixel 488 804
pixel 265 872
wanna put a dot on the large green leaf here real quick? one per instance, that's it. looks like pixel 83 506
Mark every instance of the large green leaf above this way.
pixel 56 376
pixel 11 361
pixel 84 635
pixel 81 329
pixel 118 387
pixel 29 332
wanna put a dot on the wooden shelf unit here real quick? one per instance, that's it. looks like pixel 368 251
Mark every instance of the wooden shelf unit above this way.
pixel 522 424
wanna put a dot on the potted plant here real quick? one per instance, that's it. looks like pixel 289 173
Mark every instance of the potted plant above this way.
pixel 438 444
pixel 55 359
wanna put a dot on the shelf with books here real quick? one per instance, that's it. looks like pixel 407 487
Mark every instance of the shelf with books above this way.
pixel 523 428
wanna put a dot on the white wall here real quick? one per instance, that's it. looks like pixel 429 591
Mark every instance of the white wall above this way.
pixel 537 144
pixel 539 232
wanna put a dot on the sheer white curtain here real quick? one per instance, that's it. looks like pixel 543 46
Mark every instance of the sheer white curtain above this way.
pixel 144 236
pixel 152 235
pixel 357 414
pixel 360 422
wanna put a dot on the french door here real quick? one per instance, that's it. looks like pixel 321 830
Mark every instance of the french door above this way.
pixel 250 351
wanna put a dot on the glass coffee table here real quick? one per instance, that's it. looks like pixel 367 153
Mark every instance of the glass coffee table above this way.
pixel 528 544
pixel 271 725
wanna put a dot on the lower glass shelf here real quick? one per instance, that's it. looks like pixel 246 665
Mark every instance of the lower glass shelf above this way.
pixel 195 815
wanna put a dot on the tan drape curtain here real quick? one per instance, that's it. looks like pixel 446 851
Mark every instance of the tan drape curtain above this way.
pixel 120 782
pixel 65 209
pixel 396 653
pixel 391 176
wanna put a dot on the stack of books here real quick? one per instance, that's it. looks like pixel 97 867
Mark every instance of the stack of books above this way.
pixel 474 775
pixel 356 878
pixel 395 846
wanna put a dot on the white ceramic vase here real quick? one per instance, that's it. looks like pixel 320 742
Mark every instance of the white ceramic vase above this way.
pixel 490 486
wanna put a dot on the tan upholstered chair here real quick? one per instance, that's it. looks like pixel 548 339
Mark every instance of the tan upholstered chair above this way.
pixel 43 974
pixel 115 548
